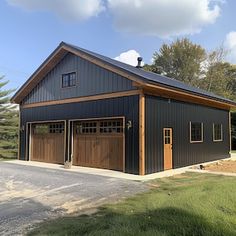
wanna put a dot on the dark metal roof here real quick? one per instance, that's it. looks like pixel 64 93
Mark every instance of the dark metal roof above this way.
pixel 151 77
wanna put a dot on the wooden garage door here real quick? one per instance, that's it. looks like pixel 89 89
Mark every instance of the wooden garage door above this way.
pixel 47 143
pixel 99 144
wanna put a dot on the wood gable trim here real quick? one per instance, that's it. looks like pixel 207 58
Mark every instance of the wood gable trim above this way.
pixel 39 74
pixel 83 99
pixel 54 59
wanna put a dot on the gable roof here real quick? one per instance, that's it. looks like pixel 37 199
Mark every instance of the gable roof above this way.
pixel 138 75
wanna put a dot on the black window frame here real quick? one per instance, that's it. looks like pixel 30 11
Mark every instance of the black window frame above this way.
pixel 194 138
pixel 216 139
pixel 69 80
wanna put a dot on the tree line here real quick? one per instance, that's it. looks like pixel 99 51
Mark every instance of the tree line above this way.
pixel 190 63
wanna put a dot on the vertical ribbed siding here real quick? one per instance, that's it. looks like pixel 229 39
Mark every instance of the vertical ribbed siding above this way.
pixel 123 106
pixel 161 113
pixel 91 80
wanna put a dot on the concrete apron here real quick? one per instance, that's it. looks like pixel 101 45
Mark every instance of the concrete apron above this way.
pixel 118 174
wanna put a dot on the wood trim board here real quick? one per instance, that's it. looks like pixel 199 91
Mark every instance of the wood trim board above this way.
pixel 142 134
pixel 156 90
pixel 83 99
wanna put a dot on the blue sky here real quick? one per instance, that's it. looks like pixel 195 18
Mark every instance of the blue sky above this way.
pixel 32 29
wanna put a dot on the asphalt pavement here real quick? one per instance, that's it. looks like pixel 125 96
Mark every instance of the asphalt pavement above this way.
pixel 29 194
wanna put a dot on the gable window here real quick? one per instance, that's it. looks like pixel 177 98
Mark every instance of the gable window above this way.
pixel 196 132
pixel 68 80
pixel 217 132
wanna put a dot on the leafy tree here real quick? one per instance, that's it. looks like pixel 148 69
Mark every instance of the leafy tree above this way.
pixel 191 64
pixel 8 123
pixel 220 79
pixel 231 85
pixel 180 60
pixel 219 75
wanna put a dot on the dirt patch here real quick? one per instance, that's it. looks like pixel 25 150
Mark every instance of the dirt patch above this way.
pixel 223 166
pixel 153 185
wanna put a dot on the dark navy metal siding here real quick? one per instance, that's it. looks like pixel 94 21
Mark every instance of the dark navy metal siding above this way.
pixel 161 113
pixel 123 106
pixel 91 80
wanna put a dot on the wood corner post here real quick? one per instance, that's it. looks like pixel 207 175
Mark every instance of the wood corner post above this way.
pixel 142 134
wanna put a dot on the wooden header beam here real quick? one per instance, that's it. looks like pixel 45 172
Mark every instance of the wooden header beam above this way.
pixel 83 99
pixel 156 90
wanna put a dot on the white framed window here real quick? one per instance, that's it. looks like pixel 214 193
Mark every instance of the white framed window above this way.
pixel 196 132
pixel 217 132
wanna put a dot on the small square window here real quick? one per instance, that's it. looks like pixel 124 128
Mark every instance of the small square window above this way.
pixel 68 80
pixel 217 132
pixel 196 132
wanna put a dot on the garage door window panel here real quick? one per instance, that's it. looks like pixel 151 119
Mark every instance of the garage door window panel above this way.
pixel 56 128
pixel 86 128
pixel 111 127
pixel 41 129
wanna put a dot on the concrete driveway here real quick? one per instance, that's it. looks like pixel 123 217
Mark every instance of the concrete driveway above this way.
pixel 31 194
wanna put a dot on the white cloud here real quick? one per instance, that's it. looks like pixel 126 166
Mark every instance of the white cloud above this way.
pixel 230 44
pixel 129 57
pixel 66 9
pixel 163 18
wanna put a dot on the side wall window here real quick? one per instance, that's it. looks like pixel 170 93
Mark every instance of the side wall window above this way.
pixel 217 132
pixel 196 132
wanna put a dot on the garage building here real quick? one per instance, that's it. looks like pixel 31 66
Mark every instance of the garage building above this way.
pixel 94 111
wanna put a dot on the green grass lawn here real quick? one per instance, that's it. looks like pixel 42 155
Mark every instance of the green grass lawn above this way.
pixel 190 204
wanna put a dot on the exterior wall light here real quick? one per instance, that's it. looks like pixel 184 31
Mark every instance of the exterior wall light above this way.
pixel 22 128
pixel 129 124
